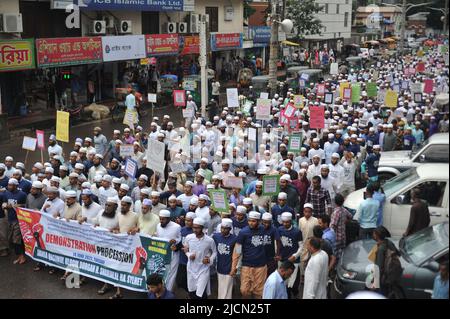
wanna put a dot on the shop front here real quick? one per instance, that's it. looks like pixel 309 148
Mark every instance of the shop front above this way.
pixel 225 48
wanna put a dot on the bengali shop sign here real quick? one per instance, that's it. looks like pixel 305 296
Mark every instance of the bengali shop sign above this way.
pixel 68 51
pixel 161 44
pixel 119 259
pixel 16 55
pixel 191 45
pixel 225 41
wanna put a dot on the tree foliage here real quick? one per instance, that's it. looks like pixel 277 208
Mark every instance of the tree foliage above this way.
pixel 303 14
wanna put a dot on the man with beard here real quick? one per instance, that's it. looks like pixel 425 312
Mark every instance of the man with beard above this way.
pixel 171 231
pixel 63 174
pixel 319 198
pixel 90 210
pixel 144 170
pixel 328 182
pixel 106 190
pixel 336 171
pixel 250 245
pixel 177 213
pixel 100 141
pixel 24 184
pixel 114 168
pixel 315 150
pixel 239 220
pixel 186 230
pixel 72 210
pixel 258 199
pixel 36 199
pixel 291 192
pixel 275 287
pixel 142 182
pixel 314 168
pixel 147 220
pixel 53 147
pixel 157 205
pixel 97 168
pixel 371 165
pixel 330 147
pixel 112 142
pixel 271 236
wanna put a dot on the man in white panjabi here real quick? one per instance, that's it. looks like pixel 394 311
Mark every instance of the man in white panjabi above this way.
pixel 171 231
pixel 316 272
pixel 201 253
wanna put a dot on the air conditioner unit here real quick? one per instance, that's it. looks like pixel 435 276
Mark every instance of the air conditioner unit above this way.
pixel 182 27
pixel 125 27
pixel 170 27
pixel 204 18
pixel 109 21
pixel 99 27
pixel 194 26
pixel 11 23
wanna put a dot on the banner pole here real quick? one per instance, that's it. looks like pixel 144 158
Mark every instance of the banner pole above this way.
pixel 26 158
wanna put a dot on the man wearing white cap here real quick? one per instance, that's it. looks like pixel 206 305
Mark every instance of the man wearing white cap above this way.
pixel 147 220
pixel 336 171
pixel 171 231
pixel 11 199
pixel 36 169
pixel 291 246
pixel 72 210
pixel 186 197
pixel 271 236
pixel 330 147
pixel 250 245
pixel 202 210
pixel 186 230
pixel 316 272
pixel 36 199
pixel 191 109
pixel 142 183
pixel 145 194
pixel 316 150
pixel 9 167
pixel 100 141
pixel 157 206
pixel 53 147
pixel 106 190
pixel 314 168
pixel 327 182
pixel 97 168
pixel 201 252
pixel 258 199
pixel 89 209
pixel 225 242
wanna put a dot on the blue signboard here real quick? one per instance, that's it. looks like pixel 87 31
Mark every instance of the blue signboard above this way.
pixel 131 5
pixel 226 41
pixel 261 34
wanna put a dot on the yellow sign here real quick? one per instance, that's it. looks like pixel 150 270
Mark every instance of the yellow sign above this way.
pixel 298 101
pixel 420 53
pixel 145 61
pixel 390 100
pixel 342 86
pixel 16 55
pixel 62 126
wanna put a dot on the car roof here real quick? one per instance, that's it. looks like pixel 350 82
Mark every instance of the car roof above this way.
pixel 433 171
pixel 439 138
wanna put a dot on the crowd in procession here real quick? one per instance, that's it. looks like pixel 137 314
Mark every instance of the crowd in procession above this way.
pixel 273 244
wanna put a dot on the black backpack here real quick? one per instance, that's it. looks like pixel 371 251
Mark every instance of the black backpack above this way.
pixel 393 269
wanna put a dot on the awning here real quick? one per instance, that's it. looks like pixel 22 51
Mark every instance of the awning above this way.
pixel 290 43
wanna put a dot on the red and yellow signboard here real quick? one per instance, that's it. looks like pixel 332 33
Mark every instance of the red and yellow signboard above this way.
pixel 16 55
pixel 68 51
pixel 191 45
pixel 161 44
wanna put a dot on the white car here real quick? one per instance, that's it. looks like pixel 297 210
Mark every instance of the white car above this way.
pixel 431 179
pixel 433 150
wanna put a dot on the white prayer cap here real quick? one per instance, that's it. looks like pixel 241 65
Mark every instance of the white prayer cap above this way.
pixel 226 161
pixel 82 150
pixel 376 147
pixel 125 187
pixel 144 177
pixel 92 152
pixel 17 171
pixel 241 209
pixel 116 180
pixel 86 192
pixel 247 201
pixel 74 175
pixel 20 165
pixel 70 194
pixel 146 191
pixel 86 185
pixel 55 179
pixel 282 195
pixel 324 166
pixel 335 155
pixel 286 177
pixel 189 183
pixel 199 221
pixel 316 140
pixel 49 170
pixel 37 184
pixel 203 197
pixel 107 178
pixel 191 215
pixel 261 171
pixel 201 173
pixel 242 174
pixel 227 223
pixel 209 186
pixel 172 197
pixel 216 177
pixel 116 132
pixel 308 205
pixel 147 202
pixel 8 158
pixel 254 215
pixel 286 216
pixel 204 159
pixel 79 166
pixel 194 201
pixel 353 136
pixel 50 189
pixel 113 199
pixel 390 126
pixel 155 193
pixel 127 199
pixel 267 216
pixel 164 213
pixel 38 165
pixel 127 130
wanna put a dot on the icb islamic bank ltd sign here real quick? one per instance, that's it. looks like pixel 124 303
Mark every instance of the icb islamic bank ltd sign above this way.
pixel 131 5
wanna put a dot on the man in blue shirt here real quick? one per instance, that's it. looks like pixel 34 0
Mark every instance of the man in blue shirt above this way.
pixel 372 164
pixel 381 198
pixel 367 215
pixel 24 185
pixel 280 208
pixel 271 236
pixel 291 246
pixel 275 286
pixel 239 219
pixel 440 288
pixel 11 199
pixel 225 242
pixel 250 245
pixel 3 177
pixel 156 288
pixel 328 233
pixel 182 271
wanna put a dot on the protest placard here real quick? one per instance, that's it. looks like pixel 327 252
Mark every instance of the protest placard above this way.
pixel 317 117
pixel 320 90
pixel 356 93
pixel 152 97
pixel 334 68
pixel 252 134
pixel 295 142
pixel 428 86
pixel 418 97
pixel 390 100
pixel 188 113
pixel 329 97
pixel 126 150
pixel 372 89
pixel 289 111
pixel 232 97
pixel 62 126
pixel 29 143
pixel 219 200
pixel 177 168
pixel 179 97
pixel 263 109
pixel 234 182
pixel 298 101
pixel 271 185
pixel 131 167
pixel 155 156
pixel 347 94
pixel 264 95
pixel 40 139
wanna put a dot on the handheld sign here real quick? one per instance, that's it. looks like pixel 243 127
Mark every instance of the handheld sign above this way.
pixel 62 126
pixel 219 200
pixel 295 143
pixel 179 98
pixel 263 109
pixel 40 139
pixel 131 167
pixel 271 185
pixel 232 97
pixel 126 150
pixel 29 143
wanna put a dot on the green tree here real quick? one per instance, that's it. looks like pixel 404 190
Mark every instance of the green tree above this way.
pixel 303 14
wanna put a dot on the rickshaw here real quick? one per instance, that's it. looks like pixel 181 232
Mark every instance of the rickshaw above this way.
pixel 355 62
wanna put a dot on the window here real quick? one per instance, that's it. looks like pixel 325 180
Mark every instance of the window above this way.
pixel 430 192
pixel 326 8
pixel 346 19
pixel 213 13
pixel 337 8
pixel 436 154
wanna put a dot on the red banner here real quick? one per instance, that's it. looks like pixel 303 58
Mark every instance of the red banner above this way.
pixel 68 51
pixel 320 89
pixel 317 117
pixel 179 98
pixel 420 67
pixel 191 45
pixel 220 41
pixel 428 88
pixel 162 44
